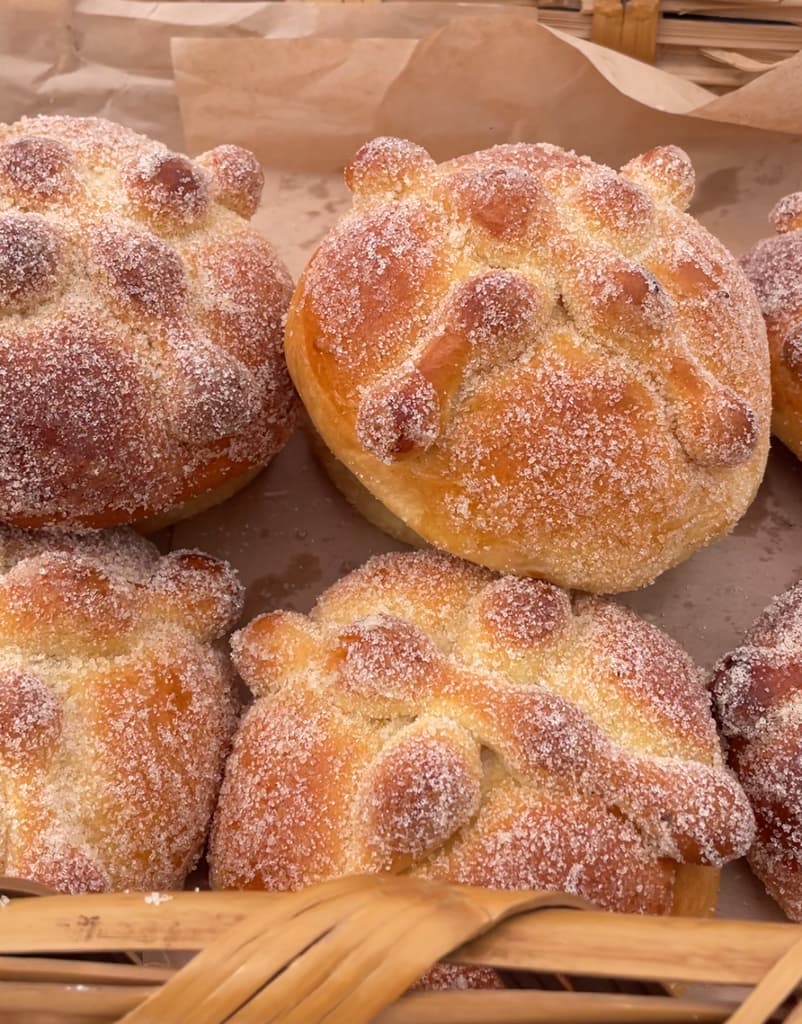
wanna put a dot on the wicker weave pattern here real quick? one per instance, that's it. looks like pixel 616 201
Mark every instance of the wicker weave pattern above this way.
pixel 347 951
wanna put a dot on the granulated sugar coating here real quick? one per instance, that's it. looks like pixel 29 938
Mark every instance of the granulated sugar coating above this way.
pixel 141 363
pixel 787 214
pixel 116 708
pixel 433 718
pixel 774 267
pixel 758 694
pixel 534 362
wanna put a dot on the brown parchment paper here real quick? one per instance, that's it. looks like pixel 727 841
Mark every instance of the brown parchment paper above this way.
pixel 773 101
pixel 303 84
pixel 111 58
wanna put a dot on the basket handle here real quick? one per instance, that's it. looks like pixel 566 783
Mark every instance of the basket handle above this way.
pixel 342 952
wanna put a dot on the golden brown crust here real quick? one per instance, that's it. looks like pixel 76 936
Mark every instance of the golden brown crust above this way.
pixel 141 359
pixel 536 363
pixel 787 214
pixel 758 693
pixel 665 172
pixel 195 506
pixel 237 178
pixel 774 266
pixel 360 497
pixel 432 717
pixel 116 710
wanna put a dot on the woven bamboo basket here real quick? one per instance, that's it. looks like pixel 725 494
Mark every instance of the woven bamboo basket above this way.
pixel 718 44
pixel 347 952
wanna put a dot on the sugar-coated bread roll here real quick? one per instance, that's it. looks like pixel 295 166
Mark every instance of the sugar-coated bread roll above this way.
pixel 534 362
pixel 141 367
pixel 774 267
pixel 116 708
pixel 758 693
pixel 432 717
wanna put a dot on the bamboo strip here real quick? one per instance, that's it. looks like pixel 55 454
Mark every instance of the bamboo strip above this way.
pixel 478 1007
pixel 547 1008
pixel 51 1018
pixel 764 9
pixel 61 924
pixel 677 949
pixel 183 920
pixel 607 23
pixel 791 15
pixel 104 1002
pixel 739 61
pixel 676 32
pixel 245 958
pixel 775 988
pixel 40 969
pixel 355 980
pixel 706 73
pixel 639 36
pixel 764 5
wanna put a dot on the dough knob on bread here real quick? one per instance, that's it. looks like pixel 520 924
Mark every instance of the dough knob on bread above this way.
pixel 166 187
pixel 31 261
pixel 236 178
pixel 714 424
pixel 30 716
pixel 37 170
pixel 666 172
pixel 399 416
pixel 488 319
pixel 787 214
pixel 386 165
pixel 503 206
pixel 619 211
pixel 619 299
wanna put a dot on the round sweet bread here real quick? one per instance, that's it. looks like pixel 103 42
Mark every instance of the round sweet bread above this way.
pixel 116 708
pixel 758 693
pixel 774 267
pixel 434 718
pixel 534 362
pixel 141 364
